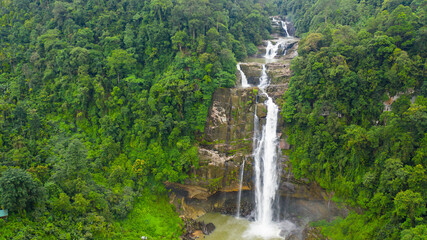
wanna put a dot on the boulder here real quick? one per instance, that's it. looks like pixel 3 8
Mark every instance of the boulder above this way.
pixel 208 228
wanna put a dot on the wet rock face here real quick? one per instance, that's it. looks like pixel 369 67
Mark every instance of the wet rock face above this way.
pixel 279 73
pixel 298 189
pixel 221 202
pixel 261 111
pixel 230 120
pixel 229 207
pixel 227 142
pixel 252 72
pixel 291 29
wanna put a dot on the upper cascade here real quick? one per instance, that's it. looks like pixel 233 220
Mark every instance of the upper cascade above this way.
pixel 280 42
pixel 285 27
pixel 272 49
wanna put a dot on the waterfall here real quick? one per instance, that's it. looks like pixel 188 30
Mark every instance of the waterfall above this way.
pixel 275 21
pixel 271 50
pixel 266 155
pixel 239 197
pixel 285 27
pixel 266 169
pixel 263 80
pixel 243 76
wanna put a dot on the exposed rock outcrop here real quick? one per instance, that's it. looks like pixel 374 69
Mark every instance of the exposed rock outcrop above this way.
pixel 226 143
pixel 252 71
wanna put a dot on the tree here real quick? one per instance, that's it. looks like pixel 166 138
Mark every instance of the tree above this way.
pixel 179 39
pixel 161 6
pixel 120 63
pixel 417 233
pixel 18 190
pixel 409 206
pixel 212 39
pixel 73 169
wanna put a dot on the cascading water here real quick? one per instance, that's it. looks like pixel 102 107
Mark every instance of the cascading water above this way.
pixel 266 174
pixel 239 197
pixel 243 76
pixel 267 223
pixel 271 50
pixel 285 27
pixel 263 80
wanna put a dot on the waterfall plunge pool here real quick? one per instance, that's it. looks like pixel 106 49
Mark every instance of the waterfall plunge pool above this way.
pixel 232 228
pixel 295 214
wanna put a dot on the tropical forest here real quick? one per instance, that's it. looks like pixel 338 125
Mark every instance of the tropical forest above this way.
pixel 213 119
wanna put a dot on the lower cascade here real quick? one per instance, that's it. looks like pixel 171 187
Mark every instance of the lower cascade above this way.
pixel 265 155
pixel 266 171
pixel 267 224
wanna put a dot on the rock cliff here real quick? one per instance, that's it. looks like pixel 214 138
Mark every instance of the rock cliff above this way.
pixel 228 141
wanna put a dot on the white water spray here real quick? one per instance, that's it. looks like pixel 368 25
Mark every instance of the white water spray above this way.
pixel 263 80
pixel 266 159
pixel 243 77
pixel 273 49
pixel 266 169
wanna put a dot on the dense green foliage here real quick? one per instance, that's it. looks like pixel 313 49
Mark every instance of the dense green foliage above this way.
pixel 353 57
pixel 101 99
